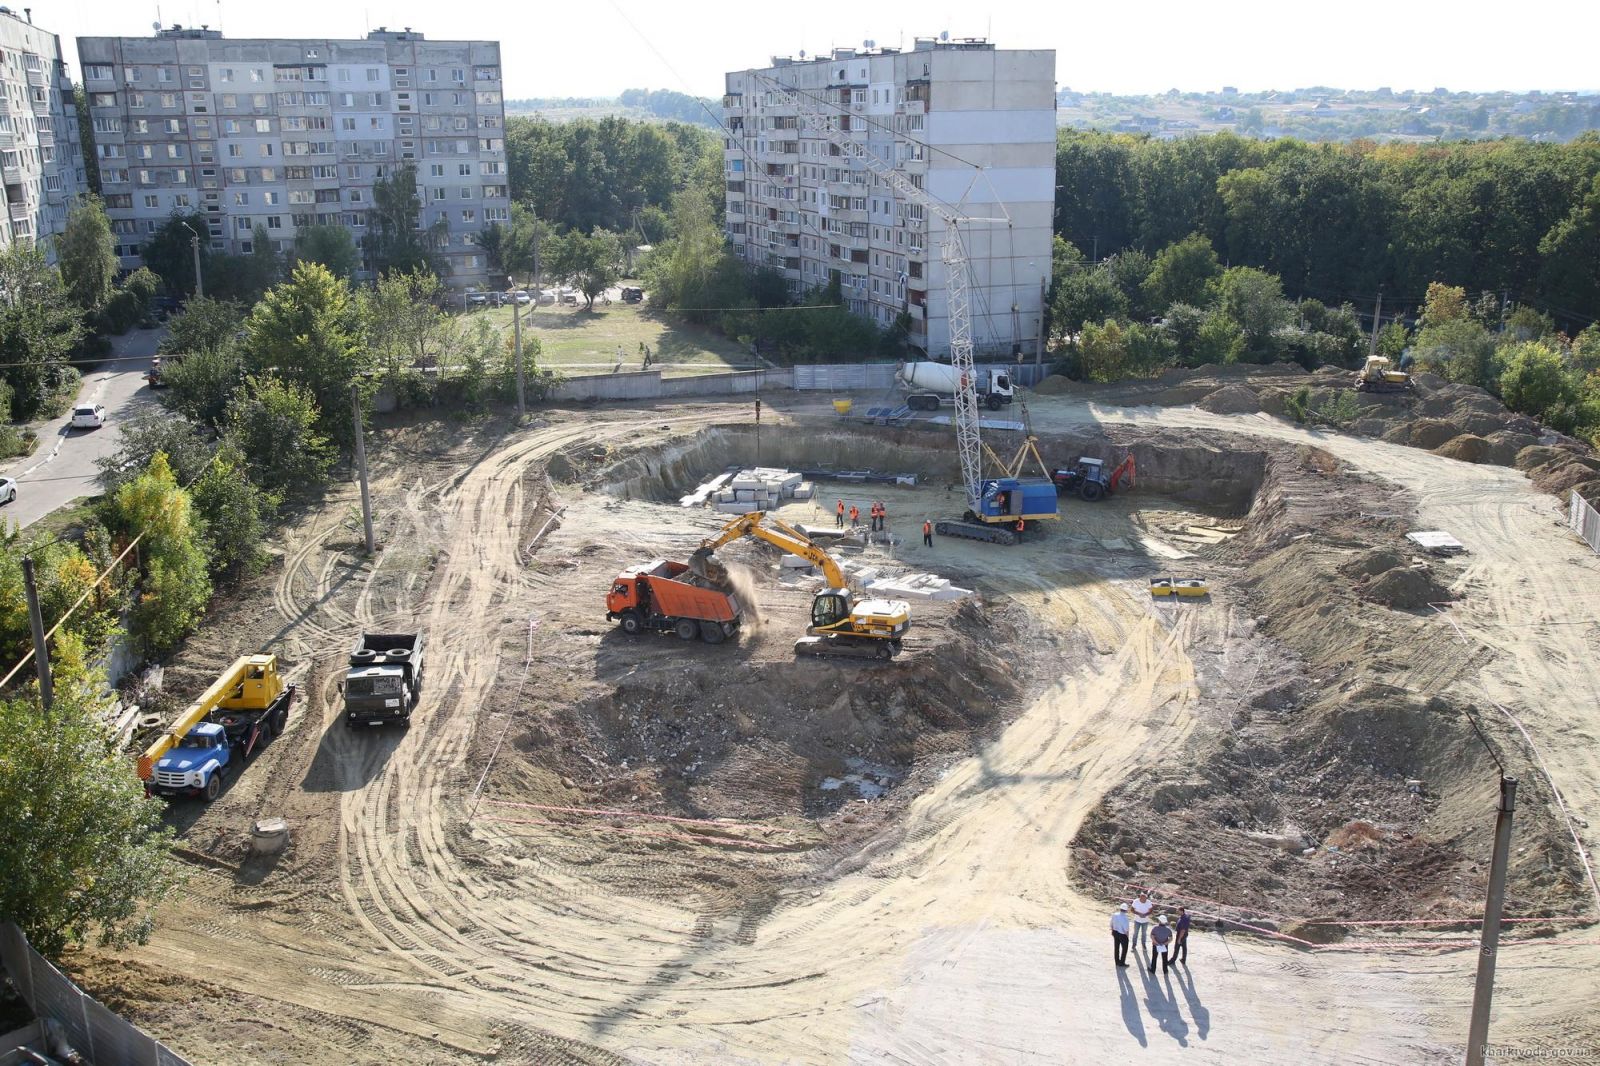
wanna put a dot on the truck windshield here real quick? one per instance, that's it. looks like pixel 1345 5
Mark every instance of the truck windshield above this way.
pixel 383 685
pixel 197 740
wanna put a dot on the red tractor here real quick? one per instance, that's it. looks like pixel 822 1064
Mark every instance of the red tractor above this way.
pixel 1090 480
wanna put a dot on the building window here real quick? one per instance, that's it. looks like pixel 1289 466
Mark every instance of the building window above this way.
pixel 263 125
pixel 436 170
pixel 95 72
pixel 274 221
pixel 241 199
pixel 103 99
pixel 225 74
pixel 438 194
pixel 152 201
pixel 372 73
pixel 136 99
pixel 269 198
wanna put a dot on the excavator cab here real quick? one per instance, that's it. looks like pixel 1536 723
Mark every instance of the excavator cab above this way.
pixel 831 607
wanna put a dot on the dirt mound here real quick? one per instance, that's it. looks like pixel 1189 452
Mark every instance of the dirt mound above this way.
pixel 1467 448
pixel 1054 385
pixel 1231 400
pixel 1371 564
pixel 1405 588
pixel 1428 433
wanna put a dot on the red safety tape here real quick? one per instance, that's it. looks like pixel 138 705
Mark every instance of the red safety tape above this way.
pixel 698 838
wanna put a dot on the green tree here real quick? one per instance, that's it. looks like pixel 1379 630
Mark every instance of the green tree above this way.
pixel 305 331
pixel 1103 351
pixel 332 246
pixel 169 252
pixel 273 424
pixel 1253 300
pixel 200 385
pixel 1220 341
pixel 87 254
pixel 393 241
pixel 1087 296
pixel 591 263
pixel 85 855
pixel 404 326
pixel 1182 272
pixel 1536 380
pixel 174 588
pixel 236 513
pixel 91 161
pixel 1570 272
pixel 1444 303
pixel 692 268
pixel 39 327
pixel 130 304
pixel 187 451
pixel 1458 349
pixel 206 324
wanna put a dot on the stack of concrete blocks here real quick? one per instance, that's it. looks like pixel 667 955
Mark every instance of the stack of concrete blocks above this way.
pixel 917 587
pixel 761 489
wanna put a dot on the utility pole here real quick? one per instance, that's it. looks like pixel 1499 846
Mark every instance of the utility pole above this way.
pixel 1377 317
pixel 1483 991
pixel 41 652
pixel 758 431
pixel 194 246
pixel 361 468
pixel 516 329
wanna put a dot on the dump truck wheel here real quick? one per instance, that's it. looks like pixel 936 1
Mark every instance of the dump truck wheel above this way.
pixel 711 633
pixel 631 623
pixel 213 787
pixel 730 628
pixel 687 628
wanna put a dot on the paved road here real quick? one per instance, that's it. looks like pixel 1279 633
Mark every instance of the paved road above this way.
pixel 63 469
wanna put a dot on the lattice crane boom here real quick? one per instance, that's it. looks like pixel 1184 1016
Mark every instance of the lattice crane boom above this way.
pixel 952 252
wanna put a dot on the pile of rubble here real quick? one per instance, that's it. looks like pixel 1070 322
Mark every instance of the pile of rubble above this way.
pixel 900 585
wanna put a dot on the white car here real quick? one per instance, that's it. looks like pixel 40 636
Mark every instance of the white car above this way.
pixel 88 416
pixel 522 296
pixel 8 489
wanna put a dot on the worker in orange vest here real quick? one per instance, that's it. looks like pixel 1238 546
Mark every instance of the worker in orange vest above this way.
pixel 1021 527
pixel 840 515
pixel 855 516
pixel 927 533
pixel 877 514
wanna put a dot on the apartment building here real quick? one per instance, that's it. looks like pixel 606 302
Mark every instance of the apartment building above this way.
pixel 41 166
pixel 972 125
pixel 283 134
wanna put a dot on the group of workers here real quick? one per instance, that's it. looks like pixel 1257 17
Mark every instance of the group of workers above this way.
pixel 878 515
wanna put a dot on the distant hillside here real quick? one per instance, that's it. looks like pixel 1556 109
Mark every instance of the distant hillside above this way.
pixel 1324 114
pixel 663 104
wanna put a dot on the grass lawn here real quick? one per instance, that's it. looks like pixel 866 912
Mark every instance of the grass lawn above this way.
pixel 576 341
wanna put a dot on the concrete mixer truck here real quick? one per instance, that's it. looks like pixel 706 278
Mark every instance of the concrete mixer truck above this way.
pixel 931 385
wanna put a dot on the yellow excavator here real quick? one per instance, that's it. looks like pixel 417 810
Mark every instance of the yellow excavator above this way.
pixel 842 623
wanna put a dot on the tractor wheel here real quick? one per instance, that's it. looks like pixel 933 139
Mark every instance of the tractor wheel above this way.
pixel 631 623
pixel 1091 490
pixel 687 629
pixel 213 786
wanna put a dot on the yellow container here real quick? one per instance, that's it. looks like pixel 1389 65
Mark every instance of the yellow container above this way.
pixel 842 406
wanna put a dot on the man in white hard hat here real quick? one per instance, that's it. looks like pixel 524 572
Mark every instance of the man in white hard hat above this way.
pixel 1119 935
pixel 1161 945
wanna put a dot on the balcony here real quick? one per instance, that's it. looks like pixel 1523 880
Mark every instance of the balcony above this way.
pixel 18 211
pixel 11 175
pixel 47 138
pixel 39 79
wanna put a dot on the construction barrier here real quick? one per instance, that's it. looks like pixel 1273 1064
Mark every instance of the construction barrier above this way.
pixel 89 1027
pixel 1585 521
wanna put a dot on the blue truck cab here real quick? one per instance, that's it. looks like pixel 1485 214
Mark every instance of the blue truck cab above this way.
pixel 195 767
pixel 1009 499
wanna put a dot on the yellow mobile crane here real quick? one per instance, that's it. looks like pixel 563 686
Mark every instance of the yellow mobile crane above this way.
pixel 842 623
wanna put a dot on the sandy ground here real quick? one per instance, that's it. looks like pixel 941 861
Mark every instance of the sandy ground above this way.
pixel 404 924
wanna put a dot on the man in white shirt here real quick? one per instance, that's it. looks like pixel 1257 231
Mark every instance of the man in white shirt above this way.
pixel 1119 936
pixel 1141 908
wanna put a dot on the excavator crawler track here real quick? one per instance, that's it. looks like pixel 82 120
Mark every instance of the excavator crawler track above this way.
pixel 976 531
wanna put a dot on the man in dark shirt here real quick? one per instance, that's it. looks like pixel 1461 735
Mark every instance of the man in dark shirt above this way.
pixel 1180 943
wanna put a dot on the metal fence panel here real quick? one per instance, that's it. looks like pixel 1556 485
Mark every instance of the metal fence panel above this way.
pixel 90 1027
pixel 1584 520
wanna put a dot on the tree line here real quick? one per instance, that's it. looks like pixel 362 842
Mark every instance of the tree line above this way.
pixel 1342 222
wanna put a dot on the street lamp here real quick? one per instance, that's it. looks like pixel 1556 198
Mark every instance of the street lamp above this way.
pixel 194 245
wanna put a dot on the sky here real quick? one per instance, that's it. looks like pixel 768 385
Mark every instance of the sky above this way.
pixel 600 47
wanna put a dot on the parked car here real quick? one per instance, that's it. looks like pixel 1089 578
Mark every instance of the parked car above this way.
pixel 547 296
pixel 88 416
pixel 522 296
pixel 8 489
pixel 477 299
pixel 632 294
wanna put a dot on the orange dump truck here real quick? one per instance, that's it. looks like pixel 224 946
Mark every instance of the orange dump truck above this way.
pixel 664 595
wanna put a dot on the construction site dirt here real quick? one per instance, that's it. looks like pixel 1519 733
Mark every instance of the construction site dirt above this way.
pixel 597 847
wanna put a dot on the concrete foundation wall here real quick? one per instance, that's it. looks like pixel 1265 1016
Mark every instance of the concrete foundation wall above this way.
pixel 650 385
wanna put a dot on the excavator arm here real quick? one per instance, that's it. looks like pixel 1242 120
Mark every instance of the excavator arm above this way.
pixel 781 535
